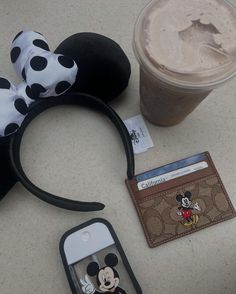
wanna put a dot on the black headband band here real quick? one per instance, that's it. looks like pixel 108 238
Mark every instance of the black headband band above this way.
pixel 74 99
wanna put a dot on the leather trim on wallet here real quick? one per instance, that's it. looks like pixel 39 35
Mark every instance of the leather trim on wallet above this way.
pixel 202 201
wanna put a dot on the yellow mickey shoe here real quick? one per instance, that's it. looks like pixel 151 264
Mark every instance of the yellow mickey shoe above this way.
pixel 195 219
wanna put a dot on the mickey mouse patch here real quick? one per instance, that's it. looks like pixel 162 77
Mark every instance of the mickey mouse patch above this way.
pixel 187 208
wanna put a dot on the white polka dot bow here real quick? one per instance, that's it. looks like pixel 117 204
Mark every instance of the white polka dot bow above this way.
pixel 45 74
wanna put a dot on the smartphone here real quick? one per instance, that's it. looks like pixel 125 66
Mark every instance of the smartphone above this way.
pixel 95 262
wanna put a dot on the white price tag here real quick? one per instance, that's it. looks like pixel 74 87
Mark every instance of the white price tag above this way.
pixel 140 136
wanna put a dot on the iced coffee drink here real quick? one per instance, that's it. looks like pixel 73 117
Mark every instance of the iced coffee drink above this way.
pixel 185 49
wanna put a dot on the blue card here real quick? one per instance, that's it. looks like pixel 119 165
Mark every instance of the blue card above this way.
pixel 171 167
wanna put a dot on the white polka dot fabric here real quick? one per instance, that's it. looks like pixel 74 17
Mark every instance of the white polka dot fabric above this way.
pixel 13 107
pixel 45 74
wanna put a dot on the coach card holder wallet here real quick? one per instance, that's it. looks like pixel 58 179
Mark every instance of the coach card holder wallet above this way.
pixel 180 198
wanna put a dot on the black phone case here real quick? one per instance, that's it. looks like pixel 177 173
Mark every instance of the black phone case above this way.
pixel 119 248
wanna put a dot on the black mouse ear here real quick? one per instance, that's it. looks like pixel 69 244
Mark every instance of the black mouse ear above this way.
pixel 179 197
pixel 188 194
pixel 7 175
pixel 92 269
pixel 104 68
pixel 111 260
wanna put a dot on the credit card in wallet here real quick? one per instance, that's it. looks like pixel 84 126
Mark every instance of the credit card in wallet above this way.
pixel 171 171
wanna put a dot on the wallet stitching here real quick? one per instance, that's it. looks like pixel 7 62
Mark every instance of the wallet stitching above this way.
pixel 216 174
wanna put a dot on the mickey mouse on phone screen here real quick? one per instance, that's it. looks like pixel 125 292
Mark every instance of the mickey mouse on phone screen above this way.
pixel 107 277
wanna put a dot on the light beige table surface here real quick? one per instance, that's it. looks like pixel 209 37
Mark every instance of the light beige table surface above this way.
pixel 76 153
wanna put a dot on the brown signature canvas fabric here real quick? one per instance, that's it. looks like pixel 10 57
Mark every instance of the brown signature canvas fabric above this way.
pixel 164 219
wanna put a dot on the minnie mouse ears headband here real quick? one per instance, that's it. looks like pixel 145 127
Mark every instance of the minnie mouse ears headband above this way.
pixel 45 75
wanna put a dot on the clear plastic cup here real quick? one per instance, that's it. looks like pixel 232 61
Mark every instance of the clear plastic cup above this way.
pixel 168 94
